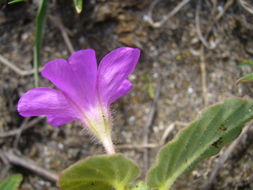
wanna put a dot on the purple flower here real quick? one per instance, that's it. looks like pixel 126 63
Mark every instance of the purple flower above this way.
pixel 85 90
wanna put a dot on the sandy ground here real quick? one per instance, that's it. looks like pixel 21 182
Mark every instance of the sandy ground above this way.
pixel 188 73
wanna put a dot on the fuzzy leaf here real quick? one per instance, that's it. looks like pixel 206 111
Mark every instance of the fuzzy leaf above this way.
pixel 11 183
pixel 246 78
pixel 78 5
pixel 100 172
pixel 217 126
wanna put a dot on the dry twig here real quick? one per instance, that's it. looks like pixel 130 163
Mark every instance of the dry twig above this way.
pixel 166 133
pixel 5 168
pixel 23 125
pixel 198 28
pixel 246 5
pixel 210 26
pixel 227 5
pixel 17 131
pixel 211 22
pixel 149 122
pixel 203 75
pixel 169 130
pixel 13 67
pixel 158 24
pixel 64 32
pixel 28 164
pixel 200 53
pixel 214 2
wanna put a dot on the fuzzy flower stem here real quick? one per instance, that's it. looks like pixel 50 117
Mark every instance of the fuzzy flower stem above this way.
pixel 108 145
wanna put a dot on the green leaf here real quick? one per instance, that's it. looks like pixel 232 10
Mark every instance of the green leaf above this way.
pixel 99 173
pixel 246 78
pixel 217 126
pixel 16 1
pixel 11 183
pixel 40 24
pixel 78 5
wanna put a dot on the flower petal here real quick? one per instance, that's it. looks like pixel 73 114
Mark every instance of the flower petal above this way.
pixel 76 78
pixel 114 69
pixel 49 102
pixel 123 89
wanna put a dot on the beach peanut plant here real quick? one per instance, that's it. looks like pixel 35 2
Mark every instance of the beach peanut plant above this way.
pixel 86 91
